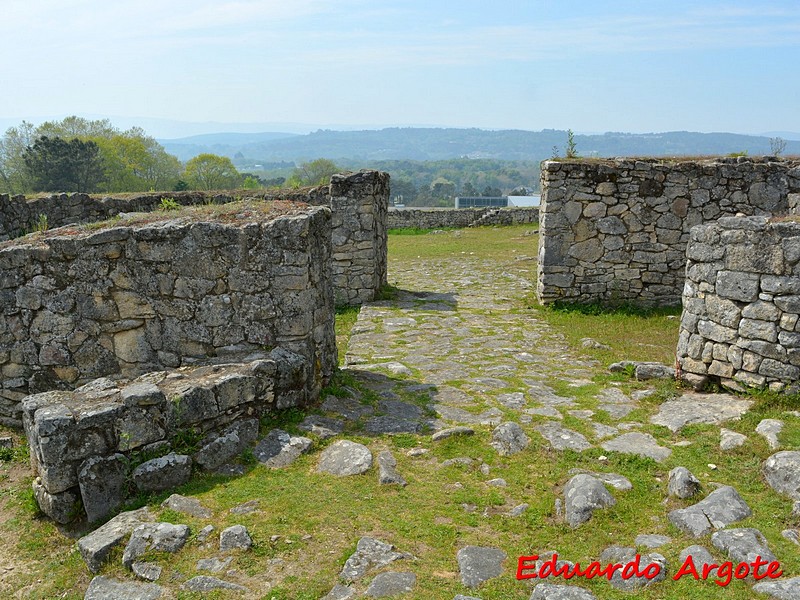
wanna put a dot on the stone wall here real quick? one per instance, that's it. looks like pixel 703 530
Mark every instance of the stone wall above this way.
pixel 616 231
pixel 437 218
pixel 132 299
pixel 358 204
pixel 358 201
pixel 741 303
pixel 93 447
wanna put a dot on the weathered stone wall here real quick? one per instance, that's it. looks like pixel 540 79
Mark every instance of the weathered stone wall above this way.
pixel 94 446
pixel 437 218
pixel 358 204
pixel 616 230
pixel 741 303
pixel 133 299
pixel 358 201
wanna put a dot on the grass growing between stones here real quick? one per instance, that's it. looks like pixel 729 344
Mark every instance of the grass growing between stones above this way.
pixel 306 524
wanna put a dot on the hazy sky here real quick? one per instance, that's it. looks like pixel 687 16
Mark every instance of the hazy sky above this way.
pixel 589 65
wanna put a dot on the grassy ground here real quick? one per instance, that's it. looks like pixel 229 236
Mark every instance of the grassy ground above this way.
pixel 307 524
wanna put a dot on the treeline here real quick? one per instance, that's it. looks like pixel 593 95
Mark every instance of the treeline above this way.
pixel 81 155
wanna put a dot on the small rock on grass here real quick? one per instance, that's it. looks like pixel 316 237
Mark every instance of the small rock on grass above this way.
pixel 730 439
pixel 478 564
pixel 235 537
pixel 583 495
pixel 682 483
pixel 450 432
pixel 551 591
pixel 509 439
pixel 387 470
pixel 783 589
pixel 343 458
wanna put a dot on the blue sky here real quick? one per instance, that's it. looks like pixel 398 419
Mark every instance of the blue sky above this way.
pixel 589 65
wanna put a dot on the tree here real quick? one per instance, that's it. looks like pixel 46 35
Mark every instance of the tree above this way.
pixel 14 177
pixel 211 172
pixel 777 145
pixel 316 172
pixel 57 165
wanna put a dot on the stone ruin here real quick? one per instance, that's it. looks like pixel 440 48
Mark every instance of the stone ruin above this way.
pixel 616 230
pixel 620 231
pixel 741 304
pixel 133 352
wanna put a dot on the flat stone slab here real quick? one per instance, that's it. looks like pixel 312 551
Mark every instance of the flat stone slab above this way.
pixel 719 509
pixel 103 588
pixel 391 583
pixel 641 444
pixel 693 409
pixel 322 427
pixel 509 439
pixel 348 408
pixel 279 449
pixel 96 546
pixel 651 540
pixel 514 400
pixel 478 564
pixel 187 506
pixel 204 583
pixel 371 554
pixel 343 458
pixel 214 565
pixel 491 416
pixel 387 424
pixel 742 545
pixel 561 438
pixel 551 591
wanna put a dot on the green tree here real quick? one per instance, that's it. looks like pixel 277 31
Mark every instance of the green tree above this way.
pixel 57 165
pixel 316 172
pixel 572 148
pixel 14 176
pixel 211 172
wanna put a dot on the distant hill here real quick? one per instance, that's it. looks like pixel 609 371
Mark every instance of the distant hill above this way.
pixel 398 143
pixel 224 144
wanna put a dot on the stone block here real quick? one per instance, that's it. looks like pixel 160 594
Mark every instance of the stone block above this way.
pixel 737 286
pixel 102 482
pixel 63 507
pixel 164 473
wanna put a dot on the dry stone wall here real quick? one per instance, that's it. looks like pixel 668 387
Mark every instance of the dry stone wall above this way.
pixel 437 218
pixel 741 303
pixel 358 201
pixel 616 231
pixel 94 446
pixel 358 204
pixel 133 299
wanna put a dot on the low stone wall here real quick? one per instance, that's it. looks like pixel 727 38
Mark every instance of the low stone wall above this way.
pixel 132 299
pixel 358 201
pixel 616 230
pixel 741 303
pixel 437 218
pixel 93 447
